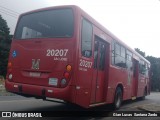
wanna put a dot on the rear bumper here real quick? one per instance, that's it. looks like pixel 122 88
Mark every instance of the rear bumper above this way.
pixel 41 91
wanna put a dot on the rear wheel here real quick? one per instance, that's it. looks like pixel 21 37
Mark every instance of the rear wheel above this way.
pixel 118 98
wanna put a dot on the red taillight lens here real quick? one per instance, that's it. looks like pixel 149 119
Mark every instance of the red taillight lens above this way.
pixel 9 67
pixel 66 75
pixel 9 64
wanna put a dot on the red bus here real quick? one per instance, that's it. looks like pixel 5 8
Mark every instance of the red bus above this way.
pixel 61 52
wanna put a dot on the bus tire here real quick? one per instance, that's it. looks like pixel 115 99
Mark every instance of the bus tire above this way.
pixel 117 98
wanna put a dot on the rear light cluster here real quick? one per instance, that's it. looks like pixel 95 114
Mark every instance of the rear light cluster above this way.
pixel 10 71
pixel 66 76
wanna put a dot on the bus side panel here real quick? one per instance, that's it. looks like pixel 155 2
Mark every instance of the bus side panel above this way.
pixel 81 73
pixel 141 85
pixel 118 76
pixel 83 84
pixel 148 87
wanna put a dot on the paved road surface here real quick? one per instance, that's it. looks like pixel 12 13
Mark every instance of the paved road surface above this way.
pixel 18 103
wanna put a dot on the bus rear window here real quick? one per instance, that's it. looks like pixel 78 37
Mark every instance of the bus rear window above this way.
pixel 46 24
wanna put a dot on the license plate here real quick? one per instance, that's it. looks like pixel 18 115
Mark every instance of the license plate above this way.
pixel 53 81
pixel 35 74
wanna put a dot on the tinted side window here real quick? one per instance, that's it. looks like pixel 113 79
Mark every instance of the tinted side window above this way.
pixel 102 56
pixel 120 59
pixel 96 45
pixel 142 67
pixel 147 70
pixel 86 38
pixel 129 59
pixel 113 52
pixel 123 52
pixel 121 56
pixel 118 49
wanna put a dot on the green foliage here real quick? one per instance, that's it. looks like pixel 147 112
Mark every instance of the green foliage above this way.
pixel 140 52
pixel 155 72
pixel 5 41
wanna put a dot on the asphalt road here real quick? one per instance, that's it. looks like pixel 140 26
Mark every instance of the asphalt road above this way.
pixel 18 103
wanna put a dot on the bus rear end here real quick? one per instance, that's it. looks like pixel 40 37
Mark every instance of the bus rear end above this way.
pixel 41 56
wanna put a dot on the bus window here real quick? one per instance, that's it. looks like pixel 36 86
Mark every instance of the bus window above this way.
pixel 86 39
pixel 146 70
pixel 102 57
pixel 120 59
pixel 129 60
pixel 46 24
pixel 117 49
pixel 96 44
pixel 142 67
pixel 123 52
pixel 113 52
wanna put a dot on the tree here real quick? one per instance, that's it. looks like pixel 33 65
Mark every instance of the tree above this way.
pixel 140 52
pixel 5 41
pixel 155 72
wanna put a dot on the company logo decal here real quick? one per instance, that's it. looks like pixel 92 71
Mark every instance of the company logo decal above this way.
pixel 35 64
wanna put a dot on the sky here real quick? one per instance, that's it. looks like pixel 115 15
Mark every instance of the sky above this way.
pixel 135 22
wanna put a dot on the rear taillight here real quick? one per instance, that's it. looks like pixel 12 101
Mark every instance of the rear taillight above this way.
pixel 68 68
pixel 10 71
pixel 9 64
pixel 66 76
pixel 9 67
pixel 10 76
